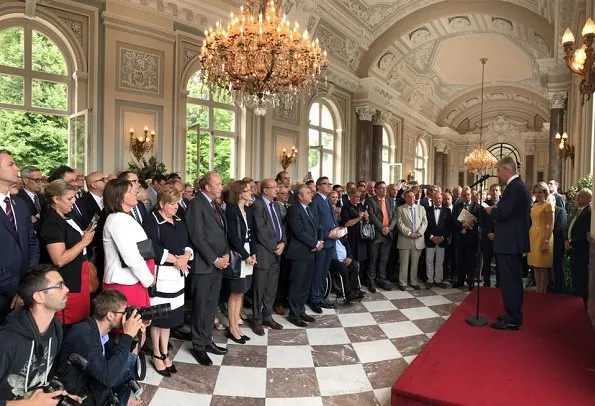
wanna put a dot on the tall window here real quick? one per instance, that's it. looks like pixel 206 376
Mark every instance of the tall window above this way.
pixel 321 140
pixel 34 97
pixel 502 150
pixel 386 156
pixel 212 129
pixel 421 159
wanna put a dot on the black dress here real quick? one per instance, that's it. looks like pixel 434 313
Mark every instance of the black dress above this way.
pixel 170 281
pixel 240 238
pixel 359 247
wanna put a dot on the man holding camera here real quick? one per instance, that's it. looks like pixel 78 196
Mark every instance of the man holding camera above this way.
pixel 31 339
pixel 107 364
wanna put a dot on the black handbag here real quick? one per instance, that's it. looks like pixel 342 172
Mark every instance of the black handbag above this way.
pixel 152 290
pixel 367 232
pixel 146 250
pixel 234 270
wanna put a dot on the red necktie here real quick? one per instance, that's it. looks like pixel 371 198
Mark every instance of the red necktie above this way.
pixel 9 212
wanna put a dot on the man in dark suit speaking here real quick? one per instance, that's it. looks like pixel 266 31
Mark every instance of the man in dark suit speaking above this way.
pixel 19 247
pixel 512 217
pixel 208 232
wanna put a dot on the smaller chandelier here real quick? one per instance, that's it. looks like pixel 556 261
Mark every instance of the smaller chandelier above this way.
pixel 260 59
pixel 581 60
pixel 288 159
pixel 141 143
pixel 480 161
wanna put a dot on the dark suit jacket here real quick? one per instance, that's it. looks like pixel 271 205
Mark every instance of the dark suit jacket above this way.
pixel 487 223
pixel 513 219
pixel 19 249
pixel 302 233
pixel 31 206
pixel 323 212
pixel 442 229
pixel 560 224
pixel 425 202
pixel 376 215
pixel 470 237
pixel 208 236
pixel 236 229
pixel 580 229
pixel 266 238
pixel 89 208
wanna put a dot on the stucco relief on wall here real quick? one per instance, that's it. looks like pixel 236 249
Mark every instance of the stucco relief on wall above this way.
pixel 139 69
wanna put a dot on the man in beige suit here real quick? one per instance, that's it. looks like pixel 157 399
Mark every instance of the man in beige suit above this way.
pixel 412 224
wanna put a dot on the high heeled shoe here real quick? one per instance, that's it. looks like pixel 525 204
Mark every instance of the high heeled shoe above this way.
pixel 163 372
pixel 235 340
pixel 172 369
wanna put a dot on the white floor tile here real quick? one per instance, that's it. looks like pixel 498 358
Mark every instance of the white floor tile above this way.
pixel 342 380
pixel 379 306
pixel 400 329
pixel 152 377
pixel 447 291
pixel 410 358
pixel 356 319
pixel 433 300
pixel 289 356
pixel 373 351
pixel 283 321
pixel 293 402
pixel 383 396
pixel 241 381
pixel 184 355
pixel 418 313
pixel 327 336
pixel 397 294
pixel 169 397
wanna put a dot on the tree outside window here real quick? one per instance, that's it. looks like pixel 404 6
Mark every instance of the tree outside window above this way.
pixel 421 159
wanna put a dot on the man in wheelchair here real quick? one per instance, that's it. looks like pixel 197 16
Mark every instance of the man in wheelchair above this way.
pixel 345 271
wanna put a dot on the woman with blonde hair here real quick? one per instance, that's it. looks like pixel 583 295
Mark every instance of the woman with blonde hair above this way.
pixel 541 242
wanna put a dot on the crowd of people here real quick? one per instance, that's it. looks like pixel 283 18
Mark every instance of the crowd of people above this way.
pixel 113 246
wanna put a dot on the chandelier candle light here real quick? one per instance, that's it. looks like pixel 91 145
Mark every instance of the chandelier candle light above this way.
pixel 141 143
pixel 582 59
pixel 288 159
pixel 480 161
pixel 260 59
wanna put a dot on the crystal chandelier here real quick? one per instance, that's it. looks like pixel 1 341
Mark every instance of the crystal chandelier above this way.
pixel 260 59
pixel 479 161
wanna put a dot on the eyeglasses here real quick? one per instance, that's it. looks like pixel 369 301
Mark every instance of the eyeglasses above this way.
pixel 60 285
pixel 36 180
pixel 324 183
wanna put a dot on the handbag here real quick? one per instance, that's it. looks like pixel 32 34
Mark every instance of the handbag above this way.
pixel 93 278
pixel 367 232
pixel 146 250
pixel 152 290
pixel 234 270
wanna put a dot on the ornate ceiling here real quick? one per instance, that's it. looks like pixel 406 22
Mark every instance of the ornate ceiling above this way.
pixel 427 52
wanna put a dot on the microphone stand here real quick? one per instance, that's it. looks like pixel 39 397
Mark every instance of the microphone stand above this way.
pixel 477 320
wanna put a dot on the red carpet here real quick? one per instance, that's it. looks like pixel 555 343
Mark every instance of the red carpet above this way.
pixel 549 361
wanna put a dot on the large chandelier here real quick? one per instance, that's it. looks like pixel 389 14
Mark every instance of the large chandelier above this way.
pixel 581 60
pixel 260 59
pixel 480 161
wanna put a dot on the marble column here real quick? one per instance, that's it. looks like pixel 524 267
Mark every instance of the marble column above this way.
pixel 440 163
pixel 557 106
pixel 376 147
pixel 364 141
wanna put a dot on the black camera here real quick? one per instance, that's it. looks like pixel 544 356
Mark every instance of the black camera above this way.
pixel 150 313
pixel 55 385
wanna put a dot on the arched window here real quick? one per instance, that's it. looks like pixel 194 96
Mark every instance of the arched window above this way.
pixel 35 80
pixel 321 140
pixel 386 158
pixel 502 150
pixel 421 159
pixel 212 130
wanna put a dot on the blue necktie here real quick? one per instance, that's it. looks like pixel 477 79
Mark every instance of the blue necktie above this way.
pixel 275 222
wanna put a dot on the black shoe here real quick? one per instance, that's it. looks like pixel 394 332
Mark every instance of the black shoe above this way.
pixel 384 284
pixel 497 285
pixel 471 287
pixel 172 369
pixel 416 287
pixel 371 288
pixel 202 357
pixel 214 349
pixel 457 285
pixel 442 285
pixel 530 284
pixel 501 317
pixel 487 283
pixel 316 307
pixel 353 296
pixel 307 318
pixel 163 372
pixel 326 305
pixel 245 338
pixel 360 293
pixel 296 321
pixel 403 288
pixel 504 325
pixel 235 340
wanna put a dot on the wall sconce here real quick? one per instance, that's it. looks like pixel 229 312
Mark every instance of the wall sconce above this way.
pixel 581 60
pixel 566 149
pixel 139 144
pixel 410 176
pixel 288 159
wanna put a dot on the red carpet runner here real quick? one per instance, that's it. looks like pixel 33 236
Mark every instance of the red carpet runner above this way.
pixel 549 361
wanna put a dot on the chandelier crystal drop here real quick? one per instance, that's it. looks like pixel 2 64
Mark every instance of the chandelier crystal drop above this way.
pixel 260 59
pixel 480 160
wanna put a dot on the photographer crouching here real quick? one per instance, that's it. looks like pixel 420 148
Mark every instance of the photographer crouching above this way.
pixel 96 367
pixel 31 339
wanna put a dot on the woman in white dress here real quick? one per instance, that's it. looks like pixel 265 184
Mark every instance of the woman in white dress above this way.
pixel 240 226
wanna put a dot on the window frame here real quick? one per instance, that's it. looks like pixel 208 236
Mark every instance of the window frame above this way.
pixel 323 130
pixel 420 159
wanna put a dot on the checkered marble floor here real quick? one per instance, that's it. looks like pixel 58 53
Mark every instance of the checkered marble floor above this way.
pixel 351 355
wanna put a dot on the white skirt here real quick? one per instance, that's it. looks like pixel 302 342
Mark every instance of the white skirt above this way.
pixel 170 287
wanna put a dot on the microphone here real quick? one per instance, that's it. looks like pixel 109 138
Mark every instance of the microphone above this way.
pixel 483 179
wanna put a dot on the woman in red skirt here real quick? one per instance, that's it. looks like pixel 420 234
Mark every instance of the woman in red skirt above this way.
pixel 66 246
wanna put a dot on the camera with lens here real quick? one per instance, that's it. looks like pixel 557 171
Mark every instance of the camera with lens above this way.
pixel 156 312
pixel 54 385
